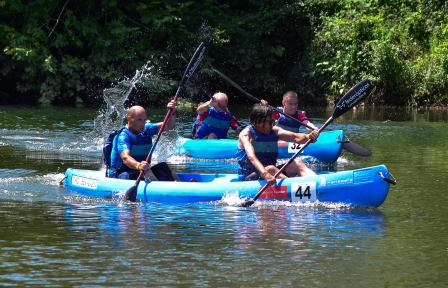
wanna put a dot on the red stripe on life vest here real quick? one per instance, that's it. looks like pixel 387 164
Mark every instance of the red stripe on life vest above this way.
pixel 275 192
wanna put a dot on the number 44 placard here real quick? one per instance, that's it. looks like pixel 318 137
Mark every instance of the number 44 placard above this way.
pixel 303 192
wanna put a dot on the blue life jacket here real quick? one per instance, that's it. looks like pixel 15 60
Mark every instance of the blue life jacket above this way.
pixel 140 145
pixel 107 146
pixel 287 123
pixel 216 122
pixel 266 150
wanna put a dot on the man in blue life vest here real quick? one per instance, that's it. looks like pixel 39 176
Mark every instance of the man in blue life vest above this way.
pixel 132 145
pixel 257 147
pixel 290 104
pixel 214 118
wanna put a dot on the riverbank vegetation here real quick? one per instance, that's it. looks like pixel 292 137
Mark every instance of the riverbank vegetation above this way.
pixel 66 52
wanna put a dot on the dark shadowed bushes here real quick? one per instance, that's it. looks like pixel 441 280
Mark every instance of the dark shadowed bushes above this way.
pixel 67 52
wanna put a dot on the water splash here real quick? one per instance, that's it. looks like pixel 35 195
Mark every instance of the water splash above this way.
pixel 115 97
pixel 146 79
pixel 231 199
pixel 205 33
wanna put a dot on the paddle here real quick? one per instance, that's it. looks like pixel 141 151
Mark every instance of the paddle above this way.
pixel 356 149
pixel 348 101
pixel 131 193
pixel 349 146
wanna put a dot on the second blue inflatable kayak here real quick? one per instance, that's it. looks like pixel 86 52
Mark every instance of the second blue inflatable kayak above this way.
pixel 327 148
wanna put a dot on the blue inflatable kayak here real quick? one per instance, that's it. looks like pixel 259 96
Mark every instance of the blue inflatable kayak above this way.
pixel 327 148
pixel 362 187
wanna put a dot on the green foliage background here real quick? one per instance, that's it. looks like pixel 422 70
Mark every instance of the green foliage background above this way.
pixel 67 52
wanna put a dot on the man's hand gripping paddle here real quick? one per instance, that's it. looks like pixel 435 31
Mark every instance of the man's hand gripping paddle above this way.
pixel 355 95
pixel 131 193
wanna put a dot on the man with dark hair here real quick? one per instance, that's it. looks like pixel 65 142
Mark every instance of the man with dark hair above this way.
pixel 257 147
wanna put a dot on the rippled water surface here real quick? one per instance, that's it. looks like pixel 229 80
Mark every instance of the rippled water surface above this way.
pixel 51 238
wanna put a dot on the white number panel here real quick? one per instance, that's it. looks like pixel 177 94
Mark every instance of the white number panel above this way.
pixel 293 147
pixel 303 192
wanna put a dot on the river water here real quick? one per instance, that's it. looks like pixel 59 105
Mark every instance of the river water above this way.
pixel 51 238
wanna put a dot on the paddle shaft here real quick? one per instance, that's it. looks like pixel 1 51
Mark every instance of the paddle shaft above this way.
pixel 191 68
pixel 355 95
pixel 258 100
pixel 153 147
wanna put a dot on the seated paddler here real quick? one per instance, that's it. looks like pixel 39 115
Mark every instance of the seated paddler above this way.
pixel 132 144
pixel 257 147
pixel 290 105
pixel 214 118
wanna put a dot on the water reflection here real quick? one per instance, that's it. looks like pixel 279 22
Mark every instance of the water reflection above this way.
pixel 80 241
pixel 298 228
pixel 48 236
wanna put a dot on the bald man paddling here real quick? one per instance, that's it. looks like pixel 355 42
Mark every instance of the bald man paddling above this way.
pixel 132 145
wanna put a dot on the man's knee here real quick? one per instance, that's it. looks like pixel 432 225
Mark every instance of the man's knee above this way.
pixel 124 175
pixel 299 164
pixel 271 169
pixel 128 175
pixel 212 136
pixel 303 170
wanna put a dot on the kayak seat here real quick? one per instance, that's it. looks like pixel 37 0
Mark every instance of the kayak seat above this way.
pixel 163 172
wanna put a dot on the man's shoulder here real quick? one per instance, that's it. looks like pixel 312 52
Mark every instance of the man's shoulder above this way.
pixel 151 128
pixel 203 115
pixel 150 124
pixel 301 115
pixel 244 132
pixel 277 129
pixel 123 135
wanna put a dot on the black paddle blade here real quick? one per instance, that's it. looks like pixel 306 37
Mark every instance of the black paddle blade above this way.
pixel 131 193
pixel 356 149
pixel 352 97
pixel 247 203
pixel 194 63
